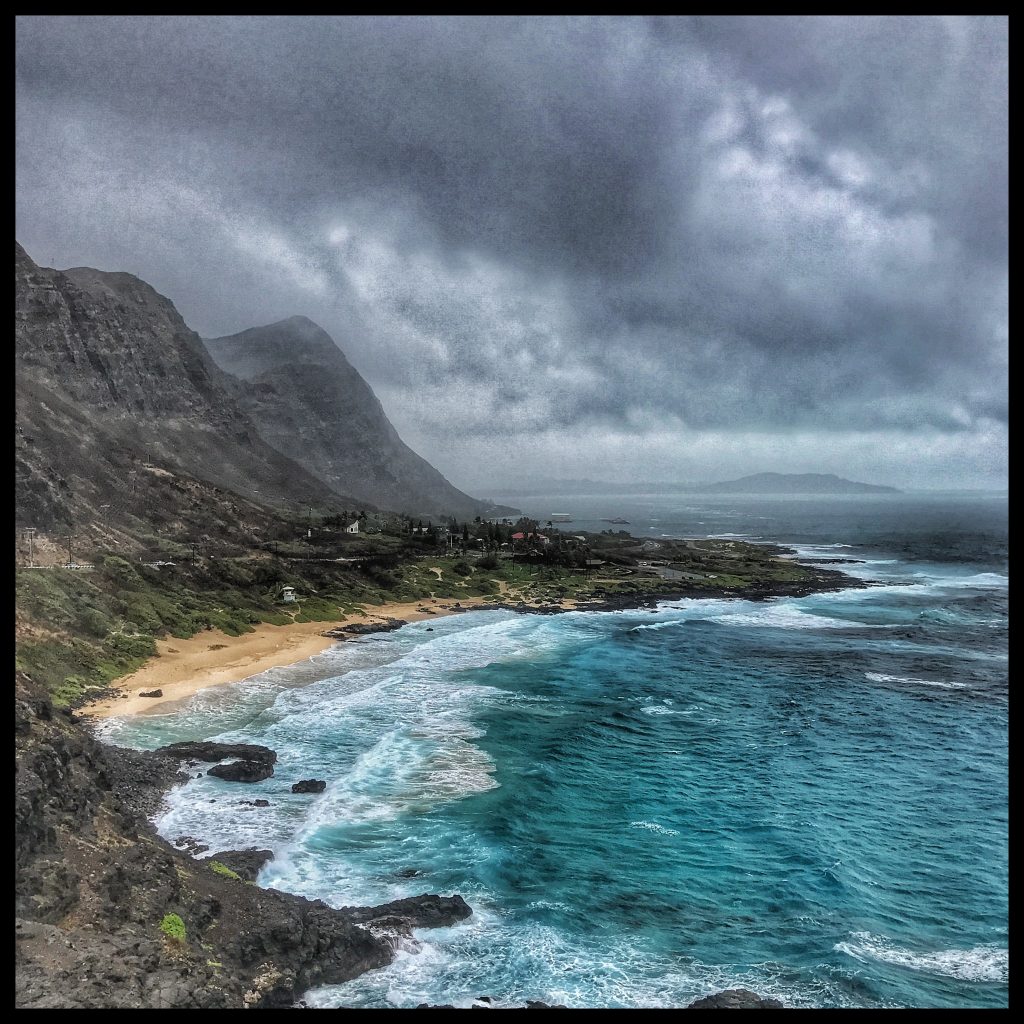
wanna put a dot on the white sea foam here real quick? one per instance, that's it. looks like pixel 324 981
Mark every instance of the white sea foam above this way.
pixel 785 616
pixel 516 960
pixel 653 826
pixel 982 580
pixel 879 677
pixel 982 963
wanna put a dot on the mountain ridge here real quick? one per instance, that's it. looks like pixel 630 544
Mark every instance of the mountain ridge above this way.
pixel 111 386
pixel 310 403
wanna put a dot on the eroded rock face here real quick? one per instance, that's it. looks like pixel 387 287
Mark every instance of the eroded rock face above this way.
pixel 205 750
pixel 735 999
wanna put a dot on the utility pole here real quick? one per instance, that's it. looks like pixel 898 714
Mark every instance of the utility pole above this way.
pixel 71 536
pixel 193 552
pixel 30 533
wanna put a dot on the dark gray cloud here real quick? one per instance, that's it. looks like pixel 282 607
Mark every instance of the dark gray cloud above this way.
pixel 782 236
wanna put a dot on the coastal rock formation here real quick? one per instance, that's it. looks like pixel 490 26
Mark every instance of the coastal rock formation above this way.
pixel 311 404
pixel 242 771
pixel 309 786
pixel 109 915
pixel 735 999
pixel 151 693
pixel 205 750
pixel 426 911
pixel 247 864
pixel 362 628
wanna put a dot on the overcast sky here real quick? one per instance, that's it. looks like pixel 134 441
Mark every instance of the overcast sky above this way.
pixel 623 249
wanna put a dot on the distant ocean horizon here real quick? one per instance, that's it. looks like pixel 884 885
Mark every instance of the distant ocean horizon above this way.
pixel 806 797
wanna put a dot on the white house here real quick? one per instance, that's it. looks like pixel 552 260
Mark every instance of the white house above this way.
pixel 352 527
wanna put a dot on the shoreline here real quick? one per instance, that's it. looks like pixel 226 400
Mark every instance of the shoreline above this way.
pixel 182 668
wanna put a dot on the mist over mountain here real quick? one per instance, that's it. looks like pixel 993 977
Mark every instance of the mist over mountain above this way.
pixel 113 393
pixel 310 403
pixel 758 483
pixel 124 420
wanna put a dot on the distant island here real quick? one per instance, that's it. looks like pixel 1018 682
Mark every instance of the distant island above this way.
pixel 795 483
pixel 758 483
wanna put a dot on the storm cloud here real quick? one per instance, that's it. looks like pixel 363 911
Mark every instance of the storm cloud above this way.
pixel 644 248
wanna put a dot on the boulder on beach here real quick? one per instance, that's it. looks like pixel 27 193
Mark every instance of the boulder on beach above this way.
pixel 151 693
pixel 242 771
pixel 309 786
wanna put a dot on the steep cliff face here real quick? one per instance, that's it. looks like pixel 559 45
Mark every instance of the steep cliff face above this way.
pixel 310 403
pixel 110 378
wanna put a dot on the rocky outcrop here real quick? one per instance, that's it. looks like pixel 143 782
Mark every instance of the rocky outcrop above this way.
pixel 363 628
pixel 206 750
pixel 242 771
pixel 311 404
pixel 95 888
pixel 426 911
pixel 735 999
pixel 309 786
pixel 247 864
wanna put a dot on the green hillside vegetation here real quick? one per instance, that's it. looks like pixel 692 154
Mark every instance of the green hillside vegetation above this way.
pixel 79 630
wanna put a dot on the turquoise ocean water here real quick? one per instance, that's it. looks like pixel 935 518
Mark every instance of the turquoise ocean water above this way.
pixel 805 796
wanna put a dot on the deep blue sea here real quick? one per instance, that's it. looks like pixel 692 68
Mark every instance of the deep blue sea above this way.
pixel 806 796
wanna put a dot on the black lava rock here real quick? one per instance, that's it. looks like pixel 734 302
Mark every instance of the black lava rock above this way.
pixel 309 786
pixel 205 750
pixel 735 999
pixel 242 771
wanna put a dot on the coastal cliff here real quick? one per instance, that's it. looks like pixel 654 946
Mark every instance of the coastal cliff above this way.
pixel 109 915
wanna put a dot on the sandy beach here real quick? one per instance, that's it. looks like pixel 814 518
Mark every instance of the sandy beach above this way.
pixel 212 658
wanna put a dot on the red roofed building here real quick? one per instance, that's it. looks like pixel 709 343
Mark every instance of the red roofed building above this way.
pixel 534 536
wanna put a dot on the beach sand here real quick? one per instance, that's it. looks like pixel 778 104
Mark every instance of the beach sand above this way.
pixel 212 658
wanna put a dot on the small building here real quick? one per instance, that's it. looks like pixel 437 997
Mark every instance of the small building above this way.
pixel 539 537
pixel 288 595
pixel 352 527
